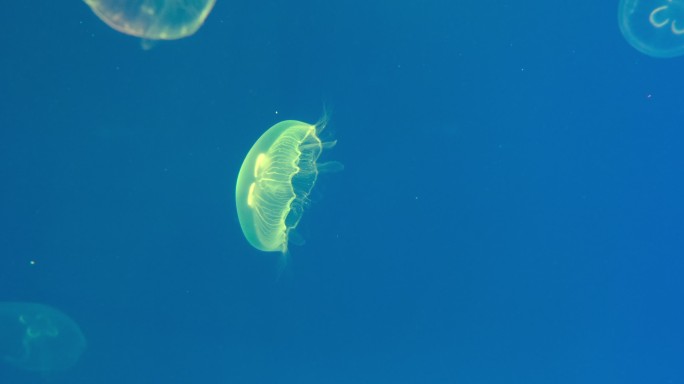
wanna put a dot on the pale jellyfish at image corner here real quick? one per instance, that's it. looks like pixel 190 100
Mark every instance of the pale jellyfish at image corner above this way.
pixel 153 19
pixel 39 338
pixel 653 27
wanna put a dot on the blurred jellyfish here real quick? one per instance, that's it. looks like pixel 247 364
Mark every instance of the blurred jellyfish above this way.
pixel 35 337
pixel 653 27
pixel 153 19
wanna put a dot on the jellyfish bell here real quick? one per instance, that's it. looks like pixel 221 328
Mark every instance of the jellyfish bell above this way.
pixel 153 20
pixel 275 181
pixel 36 337
pixel 653 27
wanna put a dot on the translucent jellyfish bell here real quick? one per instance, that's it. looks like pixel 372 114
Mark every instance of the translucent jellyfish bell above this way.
pixel 275 180
pixel 35 337
pixel 153 19
pixel 653 27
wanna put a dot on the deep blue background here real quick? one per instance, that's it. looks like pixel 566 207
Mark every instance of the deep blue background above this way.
pixel 510 212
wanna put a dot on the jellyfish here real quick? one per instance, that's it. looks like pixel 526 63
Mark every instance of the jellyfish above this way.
pixel 275 181
pixel 153 19
pixel 36 337
pixel 653 27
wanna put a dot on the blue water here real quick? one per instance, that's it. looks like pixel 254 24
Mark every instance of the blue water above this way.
pixel 510 210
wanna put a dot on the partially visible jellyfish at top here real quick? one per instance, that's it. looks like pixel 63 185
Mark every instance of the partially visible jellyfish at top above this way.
pixel 153 20
pixel 275 181
pixel 36 337
pixel 653 27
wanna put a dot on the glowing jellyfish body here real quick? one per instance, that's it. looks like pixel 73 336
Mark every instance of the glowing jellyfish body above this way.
pixel 653 27
pixel 35 337
pixel 153 19
pixel 275 180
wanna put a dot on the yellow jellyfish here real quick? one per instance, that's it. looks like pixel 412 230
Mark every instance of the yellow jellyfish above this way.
pixel 275 180
pixel 153 19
